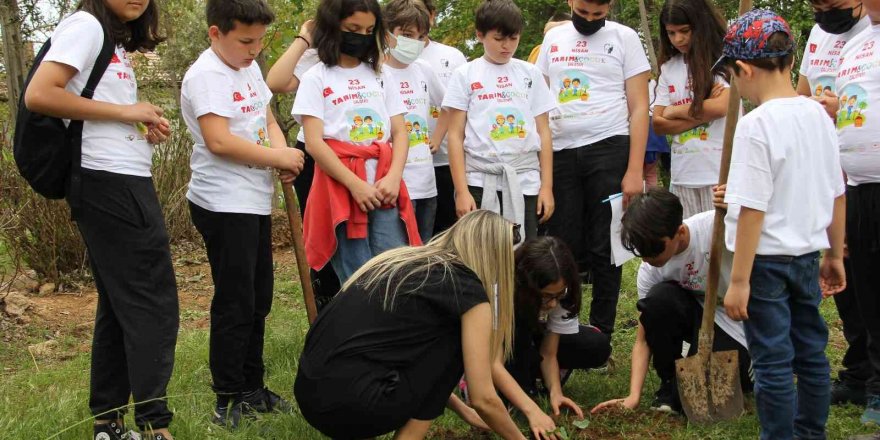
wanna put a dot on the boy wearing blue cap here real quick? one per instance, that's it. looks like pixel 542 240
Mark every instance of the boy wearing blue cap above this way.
pixel 786 197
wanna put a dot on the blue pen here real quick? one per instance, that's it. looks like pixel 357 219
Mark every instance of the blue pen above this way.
pixel 612 197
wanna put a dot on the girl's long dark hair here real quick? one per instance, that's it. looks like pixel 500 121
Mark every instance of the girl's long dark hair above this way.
pixel 141 34
pixel 707 36
pixel 540 262
pixel 327 35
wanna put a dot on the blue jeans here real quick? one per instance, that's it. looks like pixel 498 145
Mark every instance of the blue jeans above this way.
pixel 787 336
pixel 385 231
pixel 426 211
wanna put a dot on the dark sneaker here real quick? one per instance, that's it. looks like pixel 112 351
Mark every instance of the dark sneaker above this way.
pixel 228 414
pixel 872 410
pixel 113 431
pixel 152 436
pixel 666 398
pixel 265 401
pixel 844 392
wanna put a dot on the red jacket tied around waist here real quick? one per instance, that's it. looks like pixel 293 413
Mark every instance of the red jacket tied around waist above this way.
pixel 330 203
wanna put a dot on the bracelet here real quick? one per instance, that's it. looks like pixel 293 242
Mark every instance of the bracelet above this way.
pixel 309 44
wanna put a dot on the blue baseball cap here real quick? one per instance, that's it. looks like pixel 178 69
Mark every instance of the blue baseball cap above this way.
pixel 748 36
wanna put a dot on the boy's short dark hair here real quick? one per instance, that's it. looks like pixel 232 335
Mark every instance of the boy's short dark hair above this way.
pixel 777 42
pixel 405 13
pixel 503 16
pixel 650 217
pixel 224 13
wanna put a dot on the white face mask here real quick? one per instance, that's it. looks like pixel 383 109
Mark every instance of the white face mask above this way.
pixel 407 50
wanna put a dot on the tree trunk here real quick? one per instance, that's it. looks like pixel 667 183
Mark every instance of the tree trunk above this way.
pixel 649 40
pixel 14 60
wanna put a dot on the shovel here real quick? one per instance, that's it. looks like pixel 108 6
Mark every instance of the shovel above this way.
pixel 296 233
pixel 708 383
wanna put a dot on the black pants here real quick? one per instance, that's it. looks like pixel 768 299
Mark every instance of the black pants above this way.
pixel 863 239
pixel 446 216
pixel 530 228
pixel 325 283
pixel 856 368
pixel 240 253
pixel 137 318
pixel 582 178
pixel 589 348
pixel 356 398
pixel 672 315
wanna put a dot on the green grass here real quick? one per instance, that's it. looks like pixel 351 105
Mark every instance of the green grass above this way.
pixel 52 403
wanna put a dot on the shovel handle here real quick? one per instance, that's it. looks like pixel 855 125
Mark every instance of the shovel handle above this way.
pixel 296 233
pixel 707 328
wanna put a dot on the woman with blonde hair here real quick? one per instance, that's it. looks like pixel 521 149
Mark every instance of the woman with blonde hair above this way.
pixel 388 350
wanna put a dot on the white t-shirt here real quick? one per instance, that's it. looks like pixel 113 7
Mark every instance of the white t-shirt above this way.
pixel 420 90
pixel 308 59
pixel 443 60
pixel 241 96
pixel 556 322
pixel 355 104
pixel 587 75
pixel 690 269
pixel 113 146
pixel 859 83
pixel 696 153
pixel 786 163
pixel 501 102
pixel 821 56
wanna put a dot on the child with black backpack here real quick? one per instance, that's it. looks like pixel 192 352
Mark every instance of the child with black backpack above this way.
pixel 115 205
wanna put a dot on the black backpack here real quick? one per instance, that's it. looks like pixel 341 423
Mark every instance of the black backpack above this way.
pixel 48 153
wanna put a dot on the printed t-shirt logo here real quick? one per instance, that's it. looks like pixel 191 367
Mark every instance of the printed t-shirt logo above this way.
pixel 237 97
pixel 327 91
pixel 476 86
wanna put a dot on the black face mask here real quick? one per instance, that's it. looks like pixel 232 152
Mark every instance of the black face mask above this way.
pixel 586 27
pixel 356 45
pixel 836 21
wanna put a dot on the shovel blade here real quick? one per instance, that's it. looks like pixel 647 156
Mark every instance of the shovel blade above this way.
pixel 710 390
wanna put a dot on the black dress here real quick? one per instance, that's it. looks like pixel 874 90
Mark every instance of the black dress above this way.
pixel 366 369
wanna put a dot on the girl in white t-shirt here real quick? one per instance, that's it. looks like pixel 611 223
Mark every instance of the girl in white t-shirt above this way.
pixel 350 111
pixel 691 102
pixel 117 210
pixel 549 342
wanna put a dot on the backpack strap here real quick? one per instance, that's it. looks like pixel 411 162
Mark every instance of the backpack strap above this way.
pixel 74 130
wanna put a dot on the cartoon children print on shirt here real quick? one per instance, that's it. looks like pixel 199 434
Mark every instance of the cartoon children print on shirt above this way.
pixel 853 103
pixel 700 132
pixel 823 85
pixel 365 125
pixel 573 86
pixel 417 130
pixel 508 123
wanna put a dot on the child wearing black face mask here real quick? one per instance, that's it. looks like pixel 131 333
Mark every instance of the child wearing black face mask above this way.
pixel 353 120
pixel 598 73
pixel 834 28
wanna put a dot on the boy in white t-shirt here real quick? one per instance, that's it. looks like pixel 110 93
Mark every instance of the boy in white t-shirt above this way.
pixel 443 60
pixel 787 203
pixel 859 135
pixel 671 282
pixel 499 132
pixel 225 104
pixel 837 23
pixel 409 22
pixel 600 133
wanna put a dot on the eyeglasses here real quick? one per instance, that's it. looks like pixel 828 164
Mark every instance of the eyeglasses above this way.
pixel 558 296
pixel 517 236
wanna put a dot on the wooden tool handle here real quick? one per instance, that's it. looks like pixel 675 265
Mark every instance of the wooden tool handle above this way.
pixel 707 328
pixel 296 233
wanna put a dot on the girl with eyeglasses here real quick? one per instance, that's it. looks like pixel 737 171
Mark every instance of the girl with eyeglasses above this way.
pixel 548 340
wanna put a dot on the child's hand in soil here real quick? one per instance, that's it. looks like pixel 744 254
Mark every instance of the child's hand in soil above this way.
pixel 629 402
